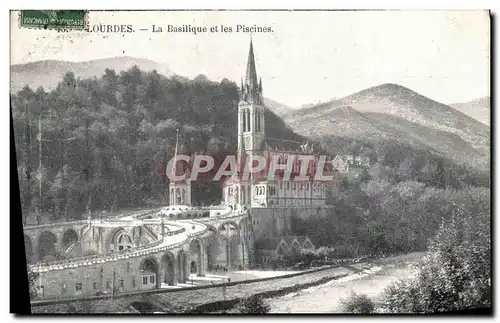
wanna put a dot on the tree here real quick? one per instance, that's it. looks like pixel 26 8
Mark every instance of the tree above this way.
pixel 357 304
pixel 456 273
pixel 254 305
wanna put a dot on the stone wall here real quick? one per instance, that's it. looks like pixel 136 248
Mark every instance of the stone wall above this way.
pixel 276 222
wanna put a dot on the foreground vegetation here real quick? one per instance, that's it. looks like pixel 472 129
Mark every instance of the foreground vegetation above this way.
pixel 456 274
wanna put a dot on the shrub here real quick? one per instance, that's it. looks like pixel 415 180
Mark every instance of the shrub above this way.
pixel 253 305
pixel 401 297
pixel 456 273
pixel 358 304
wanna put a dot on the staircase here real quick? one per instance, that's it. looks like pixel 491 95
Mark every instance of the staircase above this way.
pixel 150 232
pixel 75 244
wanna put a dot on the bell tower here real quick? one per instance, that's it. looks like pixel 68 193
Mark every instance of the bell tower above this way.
pixel 251 112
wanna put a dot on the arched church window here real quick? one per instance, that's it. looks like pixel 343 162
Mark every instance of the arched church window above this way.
pixel 249 126
pixel 244 121
pixel 257 121
pixel 183 196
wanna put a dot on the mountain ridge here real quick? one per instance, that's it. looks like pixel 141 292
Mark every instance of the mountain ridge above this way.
pixel 48 73
pixel 397 100
pixel 478 109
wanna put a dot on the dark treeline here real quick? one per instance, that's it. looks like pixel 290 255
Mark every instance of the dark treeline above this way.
pixel 398 203
pixel 377 217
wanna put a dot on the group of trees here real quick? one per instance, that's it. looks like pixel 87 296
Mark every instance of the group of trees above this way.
pixel 455 275
pixel 378 217
pixel 106 141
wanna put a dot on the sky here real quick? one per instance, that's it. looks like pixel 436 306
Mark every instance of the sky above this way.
pixel 309 57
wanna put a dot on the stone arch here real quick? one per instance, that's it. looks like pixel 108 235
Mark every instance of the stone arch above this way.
pixel 123 241
pixel 111 238
pixel 211 251
pixel 83 230
pixel 181 266
pixel 177 196
pixel 168 269
pixel 211 228
pixel 28 248
pixel 233 227
pixel 47 245
pixel 149 266
pixel 222 255
pixel 69 237
pixel 235 252
pixel 196 257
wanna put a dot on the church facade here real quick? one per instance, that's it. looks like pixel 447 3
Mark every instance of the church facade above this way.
pixel 259 191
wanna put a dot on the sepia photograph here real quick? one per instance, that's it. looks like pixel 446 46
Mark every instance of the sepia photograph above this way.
pixel 255 162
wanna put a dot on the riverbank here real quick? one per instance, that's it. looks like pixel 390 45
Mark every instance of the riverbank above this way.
pixel 326 298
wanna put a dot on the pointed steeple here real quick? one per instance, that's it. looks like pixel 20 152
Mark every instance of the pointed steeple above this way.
pixel 174 168
pixel 251 76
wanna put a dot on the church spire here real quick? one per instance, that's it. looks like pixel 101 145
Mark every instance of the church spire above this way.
pixel 174 169
pixel 251 77
pixel 253 89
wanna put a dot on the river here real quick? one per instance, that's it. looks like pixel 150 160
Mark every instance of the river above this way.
pixel 371 281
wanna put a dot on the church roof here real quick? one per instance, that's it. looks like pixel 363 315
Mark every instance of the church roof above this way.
pixel 273 144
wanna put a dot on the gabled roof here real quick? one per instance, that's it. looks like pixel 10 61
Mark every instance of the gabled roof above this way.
pixel 273 243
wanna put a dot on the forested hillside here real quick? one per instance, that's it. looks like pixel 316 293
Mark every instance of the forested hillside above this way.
pixel 106 141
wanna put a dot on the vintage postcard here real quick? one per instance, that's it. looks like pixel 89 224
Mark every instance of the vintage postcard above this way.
pixel 252 162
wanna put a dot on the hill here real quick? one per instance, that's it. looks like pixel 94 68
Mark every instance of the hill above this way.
pixel 478 109
pixel 279 108
pixel 48 73
pixel 391 110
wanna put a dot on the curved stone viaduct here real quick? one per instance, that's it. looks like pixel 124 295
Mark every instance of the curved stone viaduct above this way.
pixel 136 252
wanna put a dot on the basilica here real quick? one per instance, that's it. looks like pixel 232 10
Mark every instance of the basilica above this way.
pixel 257 191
